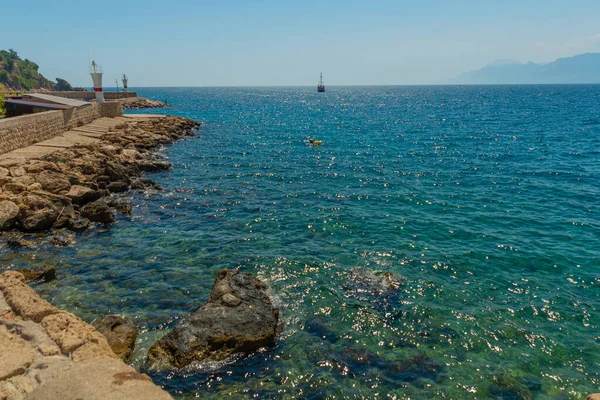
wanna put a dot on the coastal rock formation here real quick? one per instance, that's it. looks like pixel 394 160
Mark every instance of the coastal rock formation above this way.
pixel 47 353
pixel 46 274
pixel 375 282
pixel 120 332
pixel 71 188
pixel 141 102
pixel 238 317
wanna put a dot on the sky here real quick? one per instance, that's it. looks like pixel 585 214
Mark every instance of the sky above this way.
pixel 288 42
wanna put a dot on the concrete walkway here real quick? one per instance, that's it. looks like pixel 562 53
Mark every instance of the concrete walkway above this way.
pixel 86 134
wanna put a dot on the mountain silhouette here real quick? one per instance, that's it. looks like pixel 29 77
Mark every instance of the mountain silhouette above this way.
pixel 582 68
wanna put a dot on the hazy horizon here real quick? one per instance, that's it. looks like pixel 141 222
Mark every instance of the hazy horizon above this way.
pixel 266 44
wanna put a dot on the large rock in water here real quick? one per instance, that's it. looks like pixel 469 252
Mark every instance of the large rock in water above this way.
pixel 238 317
pixel 120 332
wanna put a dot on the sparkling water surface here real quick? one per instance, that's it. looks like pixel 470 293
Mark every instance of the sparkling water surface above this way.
pixel 484 199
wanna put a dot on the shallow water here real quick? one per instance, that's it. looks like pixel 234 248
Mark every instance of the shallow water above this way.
pixel 485 199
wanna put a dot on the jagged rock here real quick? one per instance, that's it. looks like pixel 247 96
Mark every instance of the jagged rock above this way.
pixel 221 326
pixel 121 205
pixel 66 214
pixel 116 172
pixel 17 171
pixel 53 182
pixel 144 183
pixel 38 213
pixel 40 166
pixel 46 274
pixel 153 166
pixel 141 102
pixel 14 187
pixel 71 333
pixel 9 212
pixel 117 187
pixel 25 180
pixel 78 224
pixel 17 241
pixel 120 332
pixel 61 238
pixel 23 299
pixel 82 194
pixel 98 211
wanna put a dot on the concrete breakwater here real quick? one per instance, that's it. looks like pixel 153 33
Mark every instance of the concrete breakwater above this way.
pixel 87 95
pixel 19 132
pixel 48 353
pixel 71 188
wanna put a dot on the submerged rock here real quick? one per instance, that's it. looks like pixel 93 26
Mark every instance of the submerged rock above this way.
pixel 18 241
pixel 319 327
pixel 418 367
pixel 375 282
pixel 238 317
pixel 506 386
pixel 61 238
pixel 78 224
pixel 46 274
pixel 356 358
pixel 120 332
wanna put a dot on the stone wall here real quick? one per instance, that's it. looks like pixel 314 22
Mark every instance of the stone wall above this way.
pixel 80 116
pixel 111 109
pixel 26 130
pixel 23 131
pixel 81 95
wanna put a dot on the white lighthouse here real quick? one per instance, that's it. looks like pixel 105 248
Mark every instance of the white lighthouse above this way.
pixel 96 73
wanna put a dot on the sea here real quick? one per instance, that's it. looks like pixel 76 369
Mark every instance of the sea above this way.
pixel 481 204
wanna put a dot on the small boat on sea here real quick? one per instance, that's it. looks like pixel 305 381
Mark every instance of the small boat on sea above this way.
pixel 321 85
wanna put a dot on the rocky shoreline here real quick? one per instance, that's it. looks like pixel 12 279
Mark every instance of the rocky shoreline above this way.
pixel 48 353
pixel 72 188
pixel 136 103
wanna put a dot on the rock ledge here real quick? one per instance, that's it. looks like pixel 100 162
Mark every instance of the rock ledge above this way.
pixel 48 353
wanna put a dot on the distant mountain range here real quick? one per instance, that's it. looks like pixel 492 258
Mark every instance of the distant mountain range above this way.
pixel 583 68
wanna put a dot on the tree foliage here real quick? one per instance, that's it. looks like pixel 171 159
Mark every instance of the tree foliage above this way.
pixel 18 74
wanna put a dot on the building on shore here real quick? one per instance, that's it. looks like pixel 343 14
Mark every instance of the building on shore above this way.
pixel 31 103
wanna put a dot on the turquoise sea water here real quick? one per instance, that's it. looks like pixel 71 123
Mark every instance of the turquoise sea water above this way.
pixel 484 199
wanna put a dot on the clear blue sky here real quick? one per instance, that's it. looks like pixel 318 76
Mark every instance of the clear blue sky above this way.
pixel 284 42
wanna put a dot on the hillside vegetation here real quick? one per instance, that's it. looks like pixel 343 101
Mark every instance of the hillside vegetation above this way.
pixel 18 74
